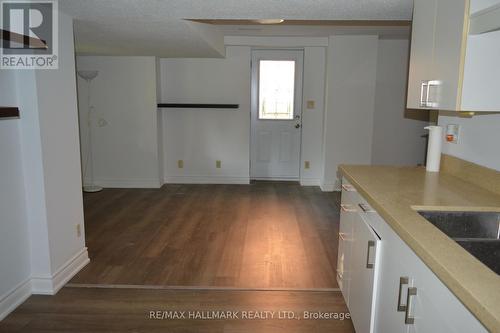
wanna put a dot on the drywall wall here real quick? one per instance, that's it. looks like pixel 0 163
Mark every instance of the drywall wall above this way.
pixel 479 139
pixel 199 137
pixel 396 140
pixel 350 89
pixel 14 238
pixel 312 118
pixel 57 106
pixel 41 157
pixel 124 120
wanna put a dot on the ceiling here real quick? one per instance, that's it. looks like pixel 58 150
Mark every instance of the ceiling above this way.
pixel 163 28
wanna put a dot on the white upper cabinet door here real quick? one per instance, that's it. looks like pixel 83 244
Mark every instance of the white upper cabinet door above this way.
pixel 481 72
pixel 453 67
pixel 422 49
pixel 450 38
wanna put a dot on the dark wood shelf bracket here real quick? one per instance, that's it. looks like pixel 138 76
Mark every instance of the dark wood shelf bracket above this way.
pixel 198 106
pixel 9 112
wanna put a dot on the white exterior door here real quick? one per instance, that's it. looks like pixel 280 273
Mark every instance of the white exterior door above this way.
pixel 276 114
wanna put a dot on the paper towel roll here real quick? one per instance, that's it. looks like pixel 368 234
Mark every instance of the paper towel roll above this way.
pixel 434 148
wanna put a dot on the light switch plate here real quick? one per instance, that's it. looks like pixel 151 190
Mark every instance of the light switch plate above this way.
pixel 311 104
pixel 180 164
pixel 218 164
pixel 307 164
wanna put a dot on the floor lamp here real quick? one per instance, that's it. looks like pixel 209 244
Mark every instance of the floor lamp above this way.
pixel 91 187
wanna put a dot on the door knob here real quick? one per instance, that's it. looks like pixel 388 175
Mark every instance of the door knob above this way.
pixel 297 125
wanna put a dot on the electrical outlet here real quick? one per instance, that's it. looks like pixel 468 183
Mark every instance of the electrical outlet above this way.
pixel 307 165
pixel 218 164
pixel 78 230
pixel 180 164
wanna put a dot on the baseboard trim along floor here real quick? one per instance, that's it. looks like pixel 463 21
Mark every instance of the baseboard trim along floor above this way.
pixel 209 288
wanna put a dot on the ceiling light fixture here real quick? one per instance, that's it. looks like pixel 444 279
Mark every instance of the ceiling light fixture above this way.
pixel 269 21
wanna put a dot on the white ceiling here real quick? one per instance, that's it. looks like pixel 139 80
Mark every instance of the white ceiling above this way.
pixel 157 27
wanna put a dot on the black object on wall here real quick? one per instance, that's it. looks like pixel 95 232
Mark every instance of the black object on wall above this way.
pixel 198 106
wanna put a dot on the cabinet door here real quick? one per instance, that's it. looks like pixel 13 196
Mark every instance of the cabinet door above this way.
pixel 422 50
pixel 347 210
pixel 364 269
pixel 394 281
pixel 435 308
pixel 449 52
pixel 345 245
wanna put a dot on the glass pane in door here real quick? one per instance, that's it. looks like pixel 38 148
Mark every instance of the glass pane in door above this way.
pixel 276 89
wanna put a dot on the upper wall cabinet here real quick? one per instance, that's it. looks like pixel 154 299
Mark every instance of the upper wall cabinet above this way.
pixel 455 52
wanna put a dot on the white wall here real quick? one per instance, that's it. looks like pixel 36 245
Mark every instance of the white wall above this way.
pixel 479 139
pixel 396 140
pixel 312 119
pixel 40 154
pixel 199 137
pixel 57 106
pixel 124 95
pixel 351 79
pixel 14 238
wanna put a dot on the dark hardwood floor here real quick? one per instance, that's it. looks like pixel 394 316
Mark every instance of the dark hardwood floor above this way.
pixel 264 235
pixel 176 250
pixel 95 310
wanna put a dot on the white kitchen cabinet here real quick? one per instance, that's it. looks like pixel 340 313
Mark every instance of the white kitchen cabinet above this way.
pixel 364 275
pixel 432 308
pixel 347 211
pixel 394 282
pixel 357 269
pixel 422 48
pixel 450 67
pixel 399 294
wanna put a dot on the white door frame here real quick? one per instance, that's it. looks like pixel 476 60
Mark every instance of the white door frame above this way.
pixel 296 54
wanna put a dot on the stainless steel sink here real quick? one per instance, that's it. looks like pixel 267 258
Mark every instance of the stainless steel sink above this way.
pixel 476 232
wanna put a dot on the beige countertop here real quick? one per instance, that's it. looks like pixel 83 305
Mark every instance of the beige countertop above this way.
pixel 397 192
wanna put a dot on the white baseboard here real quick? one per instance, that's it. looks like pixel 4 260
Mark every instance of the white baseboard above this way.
pixel 11 300
pixel 276 179
pixel 43 285
pixel 310 182
pixel 51 285
pixel 206 180
pixel 327 187
pixel 128 183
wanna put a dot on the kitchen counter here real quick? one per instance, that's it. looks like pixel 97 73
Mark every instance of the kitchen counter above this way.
pixel 398 192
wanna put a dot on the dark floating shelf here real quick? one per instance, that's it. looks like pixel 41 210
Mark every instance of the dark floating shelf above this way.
pixel 9 112
pixel 198 106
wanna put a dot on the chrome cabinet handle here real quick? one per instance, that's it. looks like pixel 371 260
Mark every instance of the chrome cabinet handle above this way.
pixel 348 188
pixel 347 208
pixel 409 320
pixel 427 93
pixel 365 208
pixel 428 102
pixel 370 245
pixel 424 87
pixel 404 280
